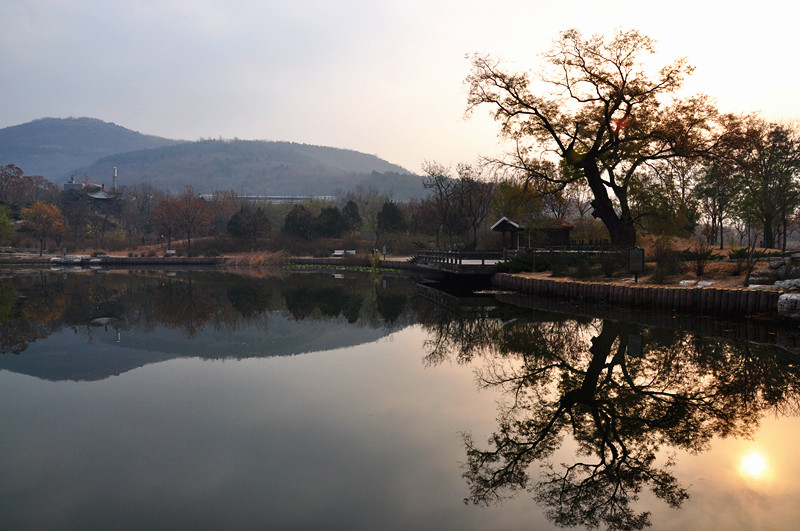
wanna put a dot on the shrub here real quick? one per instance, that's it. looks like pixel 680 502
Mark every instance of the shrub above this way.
pixel 612 263
pixel 699 254
pixel 559 264
pixel 526 262
pixel 666 258
pixel 259 259
pixel 742 252
pixel 375 260
pixel 584 269
pixel 738 267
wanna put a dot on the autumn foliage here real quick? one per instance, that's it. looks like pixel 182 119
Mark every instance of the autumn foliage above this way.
pixel 44 220
pixel 185 214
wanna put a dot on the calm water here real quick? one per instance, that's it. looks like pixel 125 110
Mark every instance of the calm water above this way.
pixel 319 401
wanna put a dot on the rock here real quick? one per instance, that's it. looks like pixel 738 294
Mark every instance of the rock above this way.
pixel 790 272
pixel 777 264
pixel 788 285
pixel 705 283
pixel 789 306
pixel 687 283
pixel 758 287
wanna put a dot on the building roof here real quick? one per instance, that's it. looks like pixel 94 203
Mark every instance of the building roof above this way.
pixel 102 194
pixel 505 224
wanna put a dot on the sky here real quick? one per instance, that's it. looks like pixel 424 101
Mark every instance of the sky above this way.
pixel 383 77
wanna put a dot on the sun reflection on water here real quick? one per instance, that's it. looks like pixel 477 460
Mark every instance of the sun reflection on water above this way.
pixel 753 465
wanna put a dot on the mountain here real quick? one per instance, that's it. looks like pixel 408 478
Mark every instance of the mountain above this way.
pixel 57 148
pixel 53 147
pixel 252 167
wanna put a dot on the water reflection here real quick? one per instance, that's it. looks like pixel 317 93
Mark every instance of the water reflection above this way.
pixel 754 465
pixel 257 316
pixel 606 421
pixel 627 395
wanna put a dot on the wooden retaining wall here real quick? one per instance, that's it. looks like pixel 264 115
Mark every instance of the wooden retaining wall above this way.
pixel 728 327
pixel 712 301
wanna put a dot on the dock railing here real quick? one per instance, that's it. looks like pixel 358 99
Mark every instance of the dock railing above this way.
pixel 438 256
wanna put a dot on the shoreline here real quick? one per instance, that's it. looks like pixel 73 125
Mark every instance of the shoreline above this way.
pixel 690 299
pixel 710 300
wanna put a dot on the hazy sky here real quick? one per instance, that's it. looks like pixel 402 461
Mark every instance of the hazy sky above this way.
pixel 382 77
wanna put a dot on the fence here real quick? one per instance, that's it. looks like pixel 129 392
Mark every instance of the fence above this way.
pixel 437 256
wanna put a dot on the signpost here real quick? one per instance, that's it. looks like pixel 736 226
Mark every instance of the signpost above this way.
pixel 636 262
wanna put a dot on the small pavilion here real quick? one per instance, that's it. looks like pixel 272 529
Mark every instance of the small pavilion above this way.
pixel 551 232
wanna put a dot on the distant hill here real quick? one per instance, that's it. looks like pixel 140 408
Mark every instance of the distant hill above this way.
pixel 57 148
pixel 53 147
pixel 256 168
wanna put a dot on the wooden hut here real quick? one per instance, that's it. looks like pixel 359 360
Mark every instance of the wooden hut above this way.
pixel 527 233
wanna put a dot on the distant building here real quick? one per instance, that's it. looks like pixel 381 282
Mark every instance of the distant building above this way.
pixel 72 185
pixel 95 191
pixel 277 199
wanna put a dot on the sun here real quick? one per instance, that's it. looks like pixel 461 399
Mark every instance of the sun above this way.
pixel 753 465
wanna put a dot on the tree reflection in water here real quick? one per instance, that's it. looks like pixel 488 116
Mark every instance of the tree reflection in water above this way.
pixel 625 408
pixel 33 308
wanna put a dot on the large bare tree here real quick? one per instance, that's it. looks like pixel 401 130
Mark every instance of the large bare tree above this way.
pixel 599 114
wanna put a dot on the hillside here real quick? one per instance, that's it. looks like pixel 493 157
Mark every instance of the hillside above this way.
pixel 57 148
pixel 53 147
pixel 255 168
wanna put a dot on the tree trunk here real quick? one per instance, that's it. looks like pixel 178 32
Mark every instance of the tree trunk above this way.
pixel 769 236
pixel 622 232
pixel 621 229
pixel 785 227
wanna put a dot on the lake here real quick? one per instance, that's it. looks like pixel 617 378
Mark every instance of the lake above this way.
pixel 314 400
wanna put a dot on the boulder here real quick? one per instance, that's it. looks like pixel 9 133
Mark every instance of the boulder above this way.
pixel 789 306
pixel 788 285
